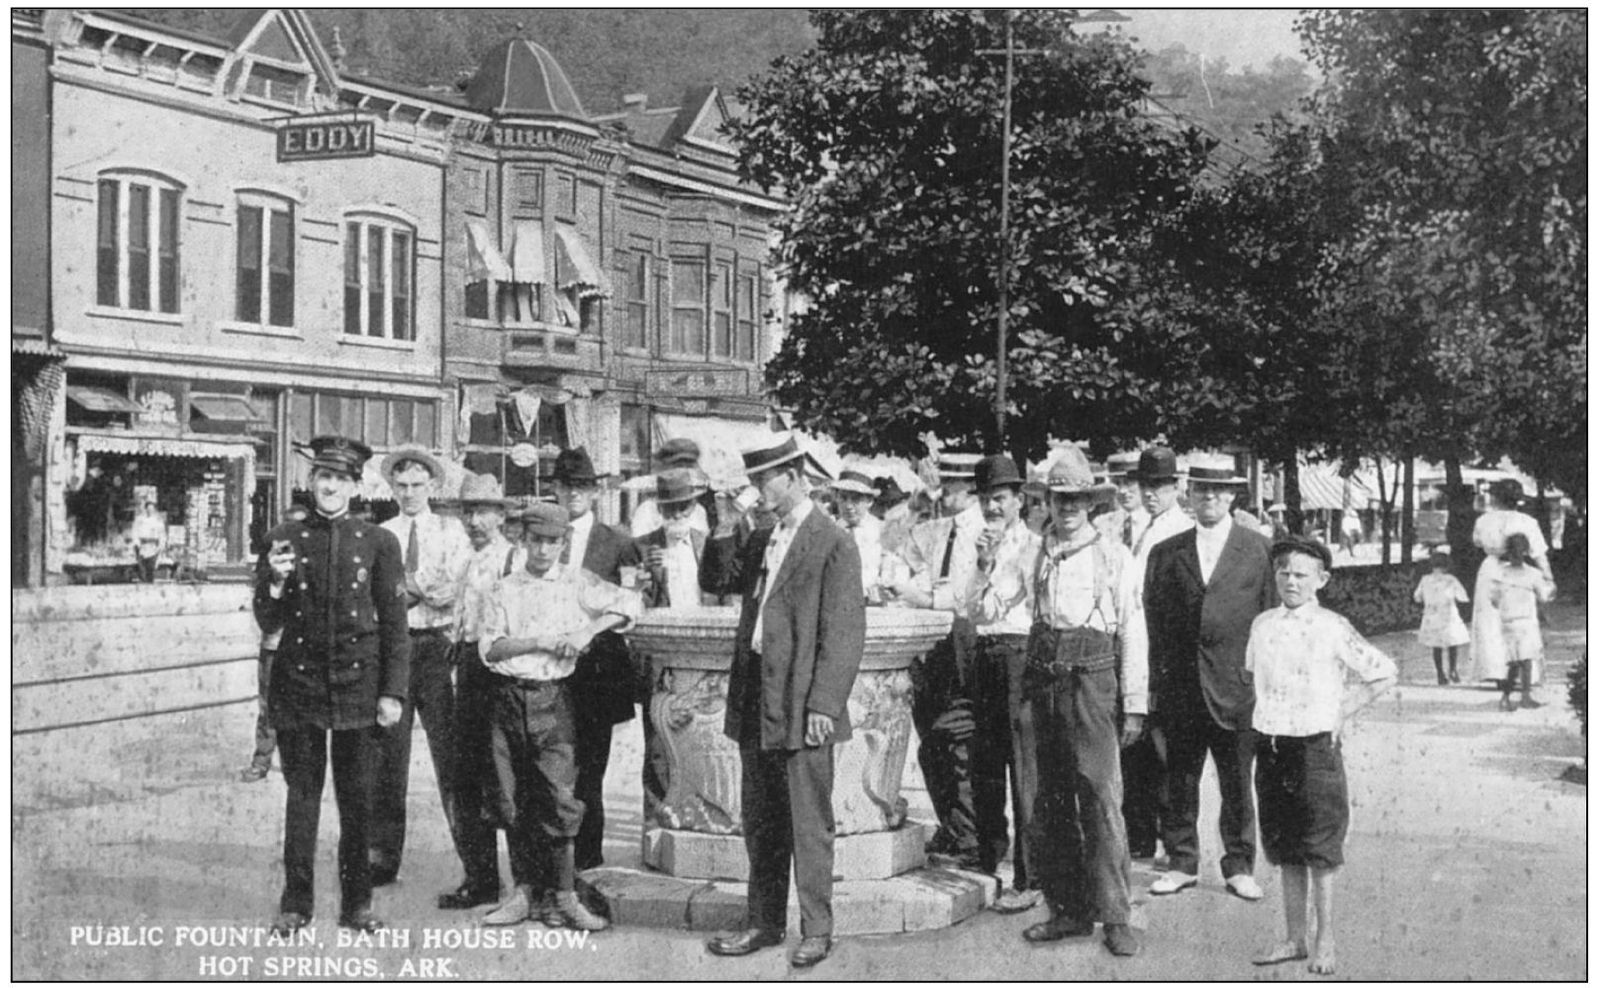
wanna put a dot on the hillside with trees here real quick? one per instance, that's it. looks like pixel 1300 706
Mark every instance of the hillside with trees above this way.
pixel 606 52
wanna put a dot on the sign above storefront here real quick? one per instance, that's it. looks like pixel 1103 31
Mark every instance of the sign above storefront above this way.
pixel 323 140
pixel 700 383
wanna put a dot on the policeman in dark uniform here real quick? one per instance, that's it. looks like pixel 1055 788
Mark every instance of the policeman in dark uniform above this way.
pixel 334 586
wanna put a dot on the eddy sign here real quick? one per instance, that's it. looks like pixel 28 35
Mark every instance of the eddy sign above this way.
pixel 328 139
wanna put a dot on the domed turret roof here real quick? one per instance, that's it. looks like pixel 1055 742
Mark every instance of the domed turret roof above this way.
pixel 521 77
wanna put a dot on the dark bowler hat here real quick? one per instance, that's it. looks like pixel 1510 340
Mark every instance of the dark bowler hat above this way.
pixel 483 490
pixel 340 454
pixel 544 519
pixel 1156 465
pixel 410 454
pixel 573 467
pixel 679 484
pixel 1214 468
pixel 997 470
pixel 783 450
pixel 679 453
pixel 1302 543
pixel 854 482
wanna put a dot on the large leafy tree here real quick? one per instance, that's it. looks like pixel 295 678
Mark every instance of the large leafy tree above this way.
pixel 887 140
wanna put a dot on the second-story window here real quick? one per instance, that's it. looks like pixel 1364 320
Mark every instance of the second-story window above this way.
pixel 378 278
pixel 137 243
pixel 634 304
pixel 688 334
pixel 747 317
pixel 723 297
pixel 265 261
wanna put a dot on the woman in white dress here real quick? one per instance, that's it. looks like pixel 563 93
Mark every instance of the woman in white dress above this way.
pixel 1488 660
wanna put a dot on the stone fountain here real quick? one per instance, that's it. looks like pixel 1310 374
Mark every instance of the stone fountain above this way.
pixel 692 843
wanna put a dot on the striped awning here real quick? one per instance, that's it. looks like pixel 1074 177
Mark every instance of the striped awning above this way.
pixel 193 449
pixel 1322 486
pixel 575 269
pixel 485 261
pixel 528 253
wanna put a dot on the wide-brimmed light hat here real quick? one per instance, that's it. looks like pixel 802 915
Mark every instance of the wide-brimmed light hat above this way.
pixel 483 490
pixel 411 454
pixel 1070 473
pixel 679 484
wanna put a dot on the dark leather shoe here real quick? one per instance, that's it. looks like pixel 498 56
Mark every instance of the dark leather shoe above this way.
pixel 363 921
pixel 286 923
pixel 381 871
pixel 466 896
pixel 746 942
pixel 1058 928
pixel 810 951
pixel 1119 940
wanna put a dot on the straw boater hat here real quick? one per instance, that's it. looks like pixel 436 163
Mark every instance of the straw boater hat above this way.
pixel 854 482
pixel 340 454
pixel 957 466
pixel 1214 468
pixel 784 449
pixel 483 490
pixel 410 454
pixel 1072 474
pixel 1121 466
pixel 679 484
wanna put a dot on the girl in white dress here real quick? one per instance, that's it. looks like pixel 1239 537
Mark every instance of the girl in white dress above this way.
pixel 1440 593
pixel 1519 587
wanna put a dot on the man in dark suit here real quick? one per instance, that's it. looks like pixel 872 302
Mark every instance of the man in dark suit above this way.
pixel 333 586
pixel 1203 589
pixel 798 645
pixel 602 681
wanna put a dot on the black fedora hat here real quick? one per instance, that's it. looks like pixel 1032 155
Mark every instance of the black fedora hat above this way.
pixel 573 467
pixel 783 450
pixel 998 470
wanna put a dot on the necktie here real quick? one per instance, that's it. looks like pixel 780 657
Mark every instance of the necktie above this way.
pixel 1125 532
pixel 412 547
pixel 947 554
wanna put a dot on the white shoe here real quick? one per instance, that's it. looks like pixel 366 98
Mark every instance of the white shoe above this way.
pixel 1172 882
pixel 510 911
pixel 1244 887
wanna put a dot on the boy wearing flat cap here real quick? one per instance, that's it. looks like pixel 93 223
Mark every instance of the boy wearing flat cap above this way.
pixel 537 622
pixel 1299 654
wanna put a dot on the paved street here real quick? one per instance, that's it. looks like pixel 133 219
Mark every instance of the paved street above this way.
pixel 1466 860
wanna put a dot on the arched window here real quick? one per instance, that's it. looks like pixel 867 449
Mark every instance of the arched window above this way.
pixel 379 276
pixel 137 241
pixel 264 260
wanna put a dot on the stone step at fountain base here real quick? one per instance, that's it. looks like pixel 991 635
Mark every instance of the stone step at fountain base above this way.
pixel 928 898
pixel 723 857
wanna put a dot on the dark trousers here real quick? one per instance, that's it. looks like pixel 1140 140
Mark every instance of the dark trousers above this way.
pixel 474 800
pixel 1002 751
pixel 944 721
pixel 533 749
pixel 430 696
pixel 1077 834
pixel 788 820
pixel 262 755
pixel 1142 771
pixel 1186 741
pixel 593 746
pixel 304 752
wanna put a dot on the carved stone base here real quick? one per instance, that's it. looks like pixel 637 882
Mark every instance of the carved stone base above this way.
pixel 723 857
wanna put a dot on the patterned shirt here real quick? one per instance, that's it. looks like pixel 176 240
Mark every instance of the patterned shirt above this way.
pixel 485 569
pixel 1297 657
pixel 565 599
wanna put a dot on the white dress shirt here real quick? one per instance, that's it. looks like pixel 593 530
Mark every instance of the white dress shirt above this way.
pixel 565 599
pixel 998 599
pixel 579 536
pixel 1211 542
pixel 443 554
pixel 1171 521
pixel 867 534
pixel 774 556
pixel 680 570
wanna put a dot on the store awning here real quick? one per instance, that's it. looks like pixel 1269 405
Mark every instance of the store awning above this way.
pixel 225 408
pixel 1320 485
pixel 194 449
pixel 722 441
pixel 101 400
pixel 485 261
pixel 575 267
pixel 528 253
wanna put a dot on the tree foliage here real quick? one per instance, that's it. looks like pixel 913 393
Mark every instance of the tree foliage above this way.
pixel 887 139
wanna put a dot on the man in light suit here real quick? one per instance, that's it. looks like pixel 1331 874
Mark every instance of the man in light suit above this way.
pixel 798 645
pixel 1203 589
pixel 602 682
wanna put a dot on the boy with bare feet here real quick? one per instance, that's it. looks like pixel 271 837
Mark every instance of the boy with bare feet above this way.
pixel 1298 653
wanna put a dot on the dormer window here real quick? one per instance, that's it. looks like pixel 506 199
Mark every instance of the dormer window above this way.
pixel 275 85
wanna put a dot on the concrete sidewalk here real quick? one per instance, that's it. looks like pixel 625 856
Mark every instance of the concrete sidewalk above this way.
pixel 1466 860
